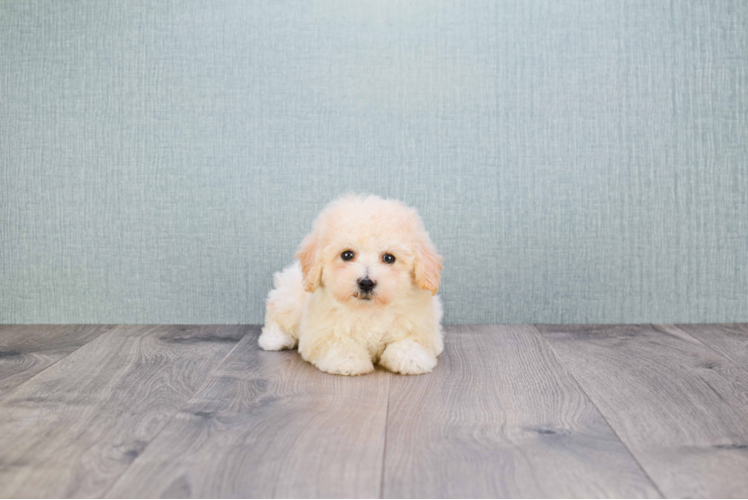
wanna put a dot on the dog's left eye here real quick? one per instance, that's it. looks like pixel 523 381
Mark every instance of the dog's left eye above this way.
pixel 388 258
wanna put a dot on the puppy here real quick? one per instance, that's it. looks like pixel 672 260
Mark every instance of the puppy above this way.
pixel 363 291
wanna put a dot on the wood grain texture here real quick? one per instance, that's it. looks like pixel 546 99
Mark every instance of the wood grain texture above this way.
pixel 500 417
pixel 730 340
pixel 678 406
pixel 73 429
pixel 268 424
pixel 26 350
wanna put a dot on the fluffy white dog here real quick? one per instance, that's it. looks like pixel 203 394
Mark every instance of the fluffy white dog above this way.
pixel 362 291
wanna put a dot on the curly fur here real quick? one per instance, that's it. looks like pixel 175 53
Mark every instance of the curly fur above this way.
pixel 317 305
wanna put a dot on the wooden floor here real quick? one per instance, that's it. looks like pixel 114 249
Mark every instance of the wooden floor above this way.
pixel 510 411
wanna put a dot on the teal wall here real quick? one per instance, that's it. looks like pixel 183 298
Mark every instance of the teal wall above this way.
pixel 574 161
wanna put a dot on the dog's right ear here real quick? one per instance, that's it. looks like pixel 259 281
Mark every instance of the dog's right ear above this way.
pixel 311 265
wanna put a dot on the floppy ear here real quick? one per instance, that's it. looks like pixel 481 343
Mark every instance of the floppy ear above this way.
pixel 427 266
pixel 311 267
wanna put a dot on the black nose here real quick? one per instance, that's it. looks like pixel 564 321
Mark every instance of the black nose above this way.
pixel 366 285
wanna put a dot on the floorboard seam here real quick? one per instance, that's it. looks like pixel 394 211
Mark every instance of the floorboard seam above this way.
pixel 111 327
pixel 186 402
pixel 723 355
pixel 386 426
pixel 602 415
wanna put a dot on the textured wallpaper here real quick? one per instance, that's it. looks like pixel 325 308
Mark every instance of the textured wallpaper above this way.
pixel 574 161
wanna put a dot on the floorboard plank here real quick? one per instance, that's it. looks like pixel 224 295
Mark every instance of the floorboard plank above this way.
pixel 73 429
pixel 730 340
pixel 680 407
pixel 26 350
pixel 268 424
pixel 501 417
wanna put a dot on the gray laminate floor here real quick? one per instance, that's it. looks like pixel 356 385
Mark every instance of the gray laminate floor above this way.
pixel 510 411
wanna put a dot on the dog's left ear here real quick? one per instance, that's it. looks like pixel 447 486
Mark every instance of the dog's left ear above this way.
pixel 311 266
pixel 427 265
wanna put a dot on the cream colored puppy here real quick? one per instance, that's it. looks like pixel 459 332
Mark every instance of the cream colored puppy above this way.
pixel 363 291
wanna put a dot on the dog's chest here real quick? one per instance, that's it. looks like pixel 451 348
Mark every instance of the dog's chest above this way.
pixel 375 330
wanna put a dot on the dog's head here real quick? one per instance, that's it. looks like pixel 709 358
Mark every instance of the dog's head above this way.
pixel 366 250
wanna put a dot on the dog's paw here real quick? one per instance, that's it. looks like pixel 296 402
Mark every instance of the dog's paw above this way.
pixel 342 361
pixel 275 339
pixel 407 357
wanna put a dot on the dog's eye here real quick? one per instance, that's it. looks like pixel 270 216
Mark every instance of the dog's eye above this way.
pixel 388 258
pixel 347 255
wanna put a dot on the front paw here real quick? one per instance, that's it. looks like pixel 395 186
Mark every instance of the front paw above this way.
pixel 275 339
pixel 345 361
pixel 407 357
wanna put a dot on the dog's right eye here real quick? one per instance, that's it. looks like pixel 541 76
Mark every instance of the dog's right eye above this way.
pixel 347 255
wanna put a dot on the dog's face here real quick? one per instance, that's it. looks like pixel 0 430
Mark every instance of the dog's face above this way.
pixel 369 251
